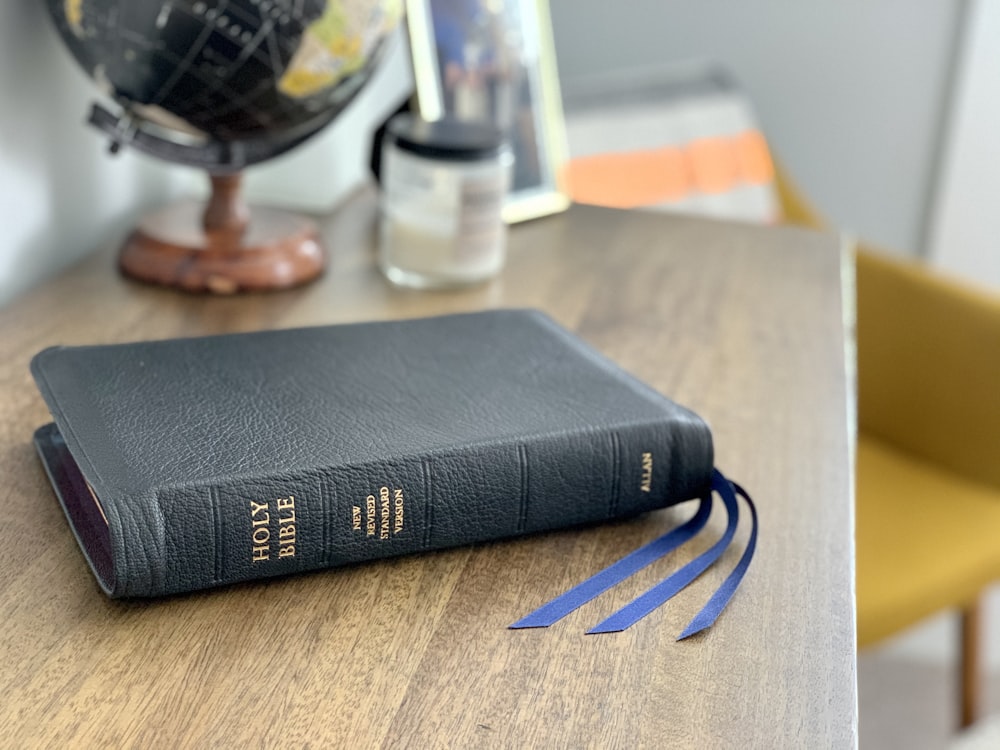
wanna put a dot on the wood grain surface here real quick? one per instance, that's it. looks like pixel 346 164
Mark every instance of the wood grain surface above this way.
pixel 744 325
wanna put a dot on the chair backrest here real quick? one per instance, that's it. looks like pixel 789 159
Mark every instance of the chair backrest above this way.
pixel 929 364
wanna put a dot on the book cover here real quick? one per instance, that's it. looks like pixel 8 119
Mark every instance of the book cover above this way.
pixel 190 463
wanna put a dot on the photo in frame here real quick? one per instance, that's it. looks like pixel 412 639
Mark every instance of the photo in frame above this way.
pixel 494 60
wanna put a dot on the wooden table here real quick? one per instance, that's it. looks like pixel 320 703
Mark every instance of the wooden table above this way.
pixel 744 325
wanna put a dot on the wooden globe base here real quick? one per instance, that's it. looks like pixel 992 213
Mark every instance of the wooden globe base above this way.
pixel 223 248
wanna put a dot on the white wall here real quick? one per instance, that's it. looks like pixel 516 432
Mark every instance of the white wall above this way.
pixel 62 195
pixel 851 94
pixel 965 222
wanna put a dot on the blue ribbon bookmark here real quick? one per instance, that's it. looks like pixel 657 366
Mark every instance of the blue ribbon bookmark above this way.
pixel 662 592
pixel 582 593
pixel 711 611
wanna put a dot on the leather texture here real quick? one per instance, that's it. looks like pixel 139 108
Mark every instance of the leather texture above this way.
pixel 362 441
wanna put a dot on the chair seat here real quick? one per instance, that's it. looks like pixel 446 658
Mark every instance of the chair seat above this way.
pixel 908 511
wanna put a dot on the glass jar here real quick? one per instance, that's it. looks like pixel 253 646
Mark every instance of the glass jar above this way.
pixel 444 184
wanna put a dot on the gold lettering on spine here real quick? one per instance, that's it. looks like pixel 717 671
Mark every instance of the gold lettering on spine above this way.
pixel 260 523
pixel 261 536
pixel 286 526
pixel 647 472
pixel 398 497
pixel 370 515
pixel 384 514
pixel 383 495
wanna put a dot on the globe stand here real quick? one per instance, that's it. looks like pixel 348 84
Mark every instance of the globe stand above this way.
pixel 223 248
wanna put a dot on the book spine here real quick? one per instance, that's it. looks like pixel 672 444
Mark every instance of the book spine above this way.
pixel 244 529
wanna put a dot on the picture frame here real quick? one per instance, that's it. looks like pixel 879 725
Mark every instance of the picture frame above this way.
pixel 494 60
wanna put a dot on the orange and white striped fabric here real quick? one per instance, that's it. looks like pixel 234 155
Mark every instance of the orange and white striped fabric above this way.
pixel 670 174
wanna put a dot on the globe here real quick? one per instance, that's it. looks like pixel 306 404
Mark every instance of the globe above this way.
pixel 226 83
pixel 222 85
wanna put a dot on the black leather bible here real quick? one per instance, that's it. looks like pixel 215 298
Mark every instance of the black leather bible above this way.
pixel 191 463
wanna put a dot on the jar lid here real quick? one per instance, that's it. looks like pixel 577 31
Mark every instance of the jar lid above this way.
pixel 447 138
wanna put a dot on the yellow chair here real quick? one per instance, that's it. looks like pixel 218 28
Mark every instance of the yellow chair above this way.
pixel 928 456
pixel 928 459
